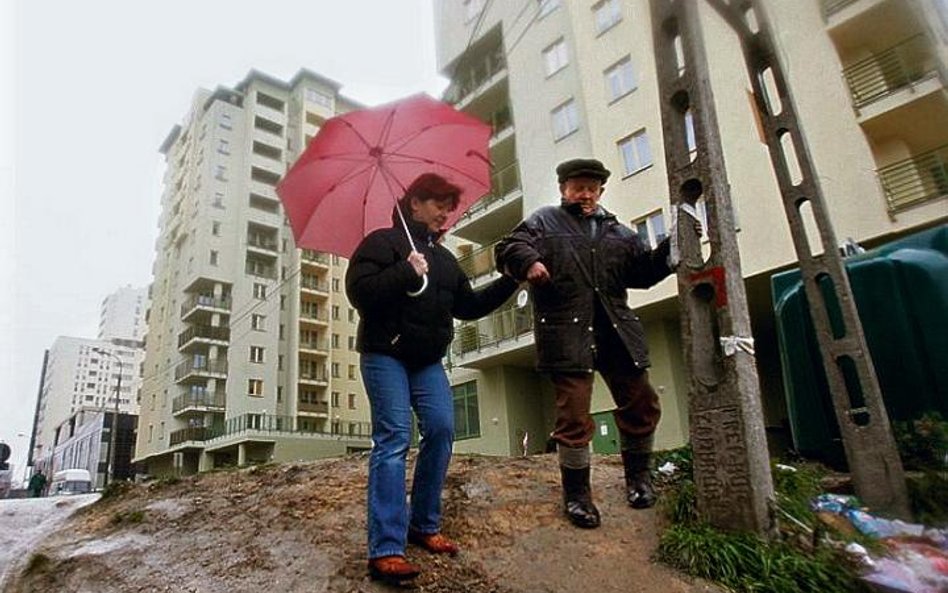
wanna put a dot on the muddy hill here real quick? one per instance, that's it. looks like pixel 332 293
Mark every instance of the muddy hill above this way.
pixel 301 528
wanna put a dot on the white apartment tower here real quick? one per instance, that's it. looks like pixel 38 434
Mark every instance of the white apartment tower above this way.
pixel 250 343
pixel 560 79
pixel 82 374
pixel 123 314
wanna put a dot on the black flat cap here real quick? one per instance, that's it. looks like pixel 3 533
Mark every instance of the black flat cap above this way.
pixel 581 168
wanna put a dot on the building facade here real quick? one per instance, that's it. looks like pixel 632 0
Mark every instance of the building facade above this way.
pixel 560 79
pixel 123 314
pixel 251 342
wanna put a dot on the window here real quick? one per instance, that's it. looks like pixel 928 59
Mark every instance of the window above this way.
pixel 635 152
pixel 352 343
pixel 472 8
pixel 335 312
pixel 565 120
pixel 335 260
pixel 335 284
pixel 255 387
pixel 335 340
pixel 335 370
pixel 279 362
pixel 256 354
pixel 268 101
pixel 257 321
pixel 259 291
pixel 352 401
pixel 352 372
pixel 319 97
pixel 545 7
pixel 220 173
pixel 213 257
pixel 608 15
pixel 334 399
pixel 352 315
pixel 226 121
pixel 555 57
pixel 223 147
pixel 467 422
pixel 620 79
pixel 651 229
pixel 218 200
pixel 216 228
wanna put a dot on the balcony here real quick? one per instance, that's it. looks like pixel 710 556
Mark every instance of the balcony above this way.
pixel 203 334
pixel 313 315
pixel 915 180
pixel 202 303
pixel 497 212
pixel 501 123
pixel 317 347
pixel 314 258
pixel 479 262
pixel 197 434
pixel 314 376
pixel 477 78
pixel 201 369
pixel 503 337
pixel 204 402
pixel 312 284
pixel 316 409
pixel 262 245
pixel 889 71
pixel 270 423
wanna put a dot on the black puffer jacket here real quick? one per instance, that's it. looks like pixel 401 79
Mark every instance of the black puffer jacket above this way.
pixel 583 269
pixel 415 330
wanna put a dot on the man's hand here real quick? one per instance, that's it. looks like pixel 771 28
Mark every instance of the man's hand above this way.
pixel 538 274
pixel 418 263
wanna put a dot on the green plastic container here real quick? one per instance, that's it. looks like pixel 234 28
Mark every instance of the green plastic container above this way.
pixel 901 293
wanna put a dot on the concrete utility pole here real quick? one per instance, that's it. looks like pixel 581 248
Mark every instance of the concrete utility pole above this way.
pixel 110 469
pixel 723 386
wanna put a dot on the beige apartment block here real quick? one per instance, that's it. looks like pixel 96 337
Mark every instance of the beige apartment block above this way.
pixel 560 79
pixel 251 341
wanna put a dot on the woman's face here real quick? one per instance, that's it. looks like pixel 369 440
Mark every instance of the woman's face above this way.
pixel 432 213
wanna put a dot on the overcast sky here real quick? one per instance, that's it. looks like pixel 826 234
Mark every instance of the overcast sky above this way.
pixel 88 91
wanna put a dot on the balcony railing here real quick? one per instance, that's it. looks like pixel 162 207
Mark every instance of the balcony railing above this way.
pixel 831 7
pixel 214 401
pixel 200 367
pixel 503 182
pixel 204 301
pixel 501 325
pixel 261 242
pixel 192 433
pixel 479 262
pixel 322 345
pixel 915 180
pixel 314 408
pixel 204 332
pixel 310 374
pixel 314 314
pixel 315 257
pixel 470 79
pixel 500 120
pixel 886 72
pixel 269 423
pixel 311 283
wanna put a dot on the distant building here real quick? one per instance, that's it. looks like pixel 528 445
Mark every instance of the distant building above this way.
pixel 559 79
pixel 251 342
pixel 83 441
pixel 123 314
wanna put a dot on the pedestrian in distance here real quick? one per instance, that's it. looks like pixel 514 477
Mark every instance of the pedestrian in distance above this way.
pixel 407 300
pixel 37 484
pixel 580 261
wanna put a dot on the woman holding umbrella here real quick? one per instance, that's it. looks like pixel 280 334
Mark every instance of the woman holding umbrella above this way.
pixel 408 289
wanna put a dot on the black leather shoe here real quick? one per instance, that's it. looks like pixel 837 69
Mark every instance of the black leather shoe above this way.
pixel 582 514
pixel 639 493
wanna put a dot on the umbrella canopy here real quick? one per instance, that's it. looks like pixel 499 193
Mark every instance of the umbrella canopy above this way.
pixel 346 182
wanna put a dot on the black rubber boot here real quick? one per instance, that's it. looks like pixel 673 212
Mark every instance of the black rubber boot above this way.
pixel 577 498
pixel 638 482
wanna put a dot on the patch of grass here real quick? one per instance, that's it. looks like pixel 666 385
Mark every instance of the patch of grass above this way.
pixel 38 562
pixel 928 496
pixel 128 518
pixel 115 489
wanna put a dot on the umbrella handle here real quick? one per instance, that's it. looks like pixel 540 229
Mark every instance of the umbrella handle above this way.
pixel 424 285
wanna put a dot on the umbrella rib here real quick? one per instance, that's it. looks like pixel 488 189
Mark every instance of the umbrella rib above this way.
pixel 402 142
pixel 440 164
pixel 356 132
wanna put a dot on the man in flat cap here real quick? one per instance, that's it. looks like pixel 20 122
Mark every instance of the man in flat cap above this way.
pixel 579 261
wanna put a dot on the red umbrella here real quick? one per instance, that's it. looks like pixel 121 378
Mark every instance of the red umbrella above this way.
pixel 346 182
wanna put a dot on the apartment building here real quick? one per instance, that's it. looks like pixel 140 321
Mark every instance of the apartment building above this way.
pixel 251 342
pixel 560 79
pixel 82 375
pixel 123 314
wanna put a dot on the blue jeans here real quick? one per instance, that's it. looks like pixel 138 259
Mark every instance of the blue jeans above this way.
pixel 394 392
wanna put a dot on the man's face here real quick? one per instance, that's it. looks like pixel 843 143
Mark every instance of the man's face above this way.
pixel 433 213
pixel 584 191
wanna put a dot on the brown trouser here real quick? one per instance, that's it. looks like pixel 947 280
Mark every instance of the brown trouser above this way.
pixel 637 409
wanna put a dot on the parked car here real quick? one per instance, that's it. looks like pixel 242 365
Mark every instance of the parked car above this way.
pixel 71 481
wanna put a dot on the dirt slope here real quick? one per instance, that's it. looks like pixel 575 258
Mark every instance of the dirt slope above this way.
pixel 301 527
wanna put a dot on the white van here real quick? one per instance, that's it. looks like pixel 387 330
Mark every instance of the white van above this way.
pixel 70 481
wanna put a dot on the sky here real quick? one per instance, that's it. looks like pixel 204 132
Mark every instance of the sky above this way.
pixel 88 92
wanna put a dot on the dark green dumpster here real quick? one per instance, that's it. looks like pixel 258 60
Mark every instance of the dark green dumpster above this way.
pixel 901 293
